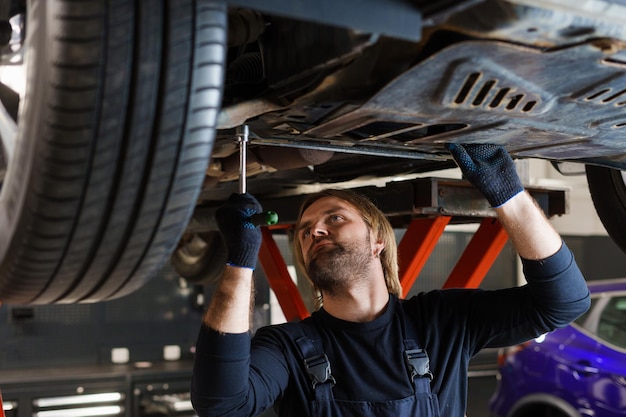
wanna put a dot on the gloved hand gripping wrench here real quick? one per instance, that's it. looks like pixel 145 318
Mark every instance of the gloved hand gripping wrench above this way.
pixel 260 219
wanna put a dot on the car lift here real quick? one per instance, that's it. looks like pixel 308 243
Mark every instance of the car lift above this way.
pixel 425 206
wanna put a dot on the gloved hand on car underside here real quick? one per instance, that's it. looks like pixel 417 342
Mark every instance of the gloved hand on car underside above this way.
pixel 490 169
pixel 241 237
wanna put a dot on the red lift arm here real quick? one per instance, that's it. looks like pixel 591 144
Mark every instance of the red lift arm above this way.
pixel 279 278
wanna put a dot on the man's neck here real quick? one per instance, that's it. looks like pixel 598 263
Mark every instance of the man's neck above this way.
pixel 361 304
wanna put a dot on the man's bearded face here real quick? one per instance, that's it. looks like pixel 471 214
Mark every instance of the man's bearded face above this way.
pixel 339 264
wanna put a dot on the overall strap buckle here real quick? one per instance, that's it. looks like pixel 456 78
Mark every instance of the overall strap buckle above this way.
pixel 417 363
pixel 318 368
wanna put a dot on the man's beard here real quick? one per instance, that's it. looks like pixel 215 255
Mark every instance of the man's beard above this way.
pixel 340 266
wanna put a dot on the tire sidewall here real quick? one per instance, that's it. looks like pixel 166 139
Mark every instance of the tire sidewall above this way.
pixel 608 193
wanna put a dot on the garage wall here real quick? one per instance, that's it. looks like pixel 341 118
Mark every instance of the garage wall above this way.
pixel 160 314
pixel 581 219
pixel 597 256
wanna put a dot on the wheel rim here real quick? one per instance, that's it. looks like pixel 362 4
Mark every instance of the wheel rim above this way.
pixel 13 78
pixel 193 250
pixel 200 257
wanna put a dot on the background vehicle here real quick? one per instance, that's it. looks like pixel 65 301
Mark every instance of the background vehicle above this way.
pixel 574 371
pixel 118 117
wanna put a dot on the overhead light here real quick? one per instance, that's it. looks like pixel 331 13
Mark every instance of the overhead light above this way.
pixel 110 410
pixel 105 397
pixel 9 405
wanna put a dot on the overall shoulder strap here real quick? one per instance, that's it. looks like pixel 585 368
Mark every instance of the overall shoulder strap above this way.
pixel 415 357
pixel 316 363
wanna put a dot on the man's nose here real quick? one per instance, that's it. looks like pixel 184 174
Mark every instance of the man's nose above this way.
pixel 319 231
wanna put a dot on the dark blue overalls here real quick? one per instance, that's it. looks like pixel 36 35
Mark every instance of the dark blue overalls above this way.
pixel 423 403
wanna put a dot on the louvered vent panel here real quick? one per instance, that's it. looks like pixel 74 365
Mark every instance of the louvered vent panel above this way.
pixel 613 95
pixel 608 96
pixel 487 93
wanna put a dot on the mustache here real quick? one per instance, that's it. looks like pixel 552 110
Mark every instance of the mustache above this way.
pixel 321 239
pixel 317 240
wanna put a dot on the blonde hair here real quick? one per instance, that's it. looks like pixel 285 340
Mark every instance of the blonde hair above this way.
pixel 375 220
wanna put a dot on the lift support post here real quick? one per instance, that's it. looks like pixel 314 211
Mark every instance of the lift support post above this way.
pixel 279 278
pixel 425 207
pixel 416 245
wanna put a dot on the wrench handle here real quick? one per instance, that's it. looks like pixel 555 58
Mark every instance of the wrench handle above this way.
pixel 267 218
pixel 243 137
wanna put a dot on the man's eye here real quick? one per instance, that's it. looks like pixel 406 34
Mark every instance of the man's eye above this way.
pixel 306 233
pixel 335 217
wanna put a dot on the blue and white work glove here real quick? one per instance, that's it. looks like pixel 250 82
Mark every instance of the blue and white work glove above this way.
pixel 490 169
pixel 241 237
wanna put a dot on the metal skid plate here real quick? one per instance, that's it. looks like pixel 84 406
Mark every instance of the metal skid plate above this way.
pixel 566 104
pixel 509 94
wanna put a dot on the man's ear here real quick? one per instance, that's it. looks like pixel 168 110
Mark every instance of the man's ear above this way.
pixel 378 247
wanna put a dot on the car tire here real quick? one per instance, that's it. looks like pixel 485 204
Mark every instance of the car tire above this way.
pixel 608 192
pixel 113 137
pixel 200 257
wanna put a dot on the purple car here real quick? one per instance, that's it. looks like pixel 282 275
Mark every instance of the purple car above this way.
pixel 576 371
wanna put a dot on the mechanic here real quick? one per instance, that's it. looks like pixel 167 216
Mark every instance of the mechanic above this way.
pixel 366 352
